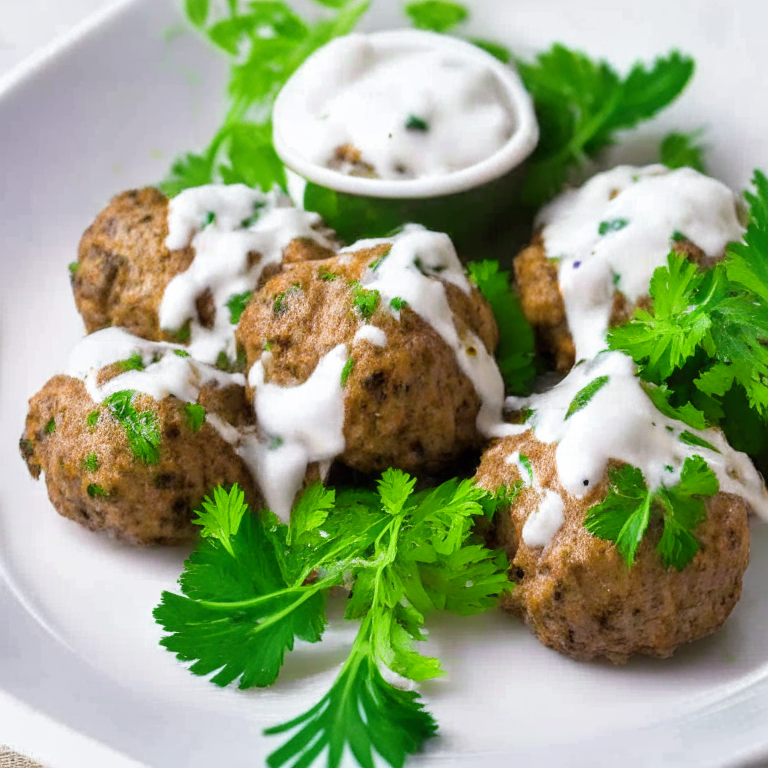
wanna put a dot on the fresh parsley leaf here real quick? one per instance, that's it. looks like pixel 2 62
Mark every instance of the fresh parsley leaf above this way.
pixel 94 490
pixel 397 303
pixel 222 515
pixel 50 427
pixel 516 350
pixel 436 15
pixel 688 413
pixel 500 52
pixel 195 415
pixel 623 516
pixel 237 304
pixel 266 42
pixel 133 363
pixel 581 104
pixel 583 396
pixel 679 150
pixel 362 713
pixel 142 428
pixel 181 352
pixel 92 419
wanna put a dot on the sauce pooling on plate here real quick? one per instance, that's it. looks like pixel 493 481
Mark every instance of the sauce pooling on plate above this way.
pixel 615 230
pixel 397 113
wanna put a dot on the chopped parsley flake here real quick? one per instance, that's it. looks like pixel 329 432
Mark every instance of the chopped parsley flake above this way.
pixel 397 303
pixel 50 427
pixel 585 395
pixel 183 335
pixel 364 301
pixel 326 274
pixel 142 428
pixel 210 217
pixel 73 267
pixel 92 418
pixel 94 490
pixel 275 443
pixel 280 303
pixel 678 236
pixel 414 123
pixel 268 346
pixel 346 371
pixel 611 226
pixel 526 462
pixel 181 352
pixel 91 463
pixel 195 415
pixel 133 363
pixel 237 304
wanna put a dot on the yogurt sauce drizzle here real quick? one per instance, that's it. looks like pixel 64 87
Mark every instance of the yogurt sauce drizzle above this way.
pixel 165 374
pixel 302 424
pixel 224 224
pixel 615 230
pixel 416 258
pixel 620 422
pixel 412 113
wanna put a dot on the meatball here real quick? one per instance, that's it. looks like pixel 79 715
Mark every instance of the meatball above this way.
pixel 577 594
pixel 536 277
pixel 407 403
pixel 595 250
pixel 124 267
pixel 95 477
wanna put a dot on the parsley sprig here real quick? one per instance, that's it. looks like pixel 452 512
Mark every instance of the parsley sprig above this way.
pixel 142 428
pixel 516 350
pixel 581 104
pixel 247 596
pixel 624 515
pixel 706 338
pixel 266 42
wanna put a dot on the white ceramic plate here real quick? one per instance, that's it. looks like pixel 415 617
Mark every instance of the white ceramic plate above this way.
pixel 108 111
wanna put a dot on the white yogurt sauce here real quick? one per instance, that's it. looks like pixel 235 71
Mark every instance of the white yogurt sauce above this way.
pixel 620 422
pixel 165 373
pixel 299 425
pixel 615 230
pixel 224 224
pixel 372 334
pixel 408 272
pixel 411 112
pixel 547 519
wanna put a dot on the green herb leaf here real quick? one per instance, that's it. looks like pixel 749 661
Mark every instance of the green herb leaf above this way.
pixel 347 370
pixel 73 267
pixel 92 419
pixel 237 304
pixel 515 354
pixel 326 275
pixel 436 15
pixel 500 52
pixel 197 11
pixel 364 301
pixel 397 303
pixel 581 104
pixel 195 415
pixel 414 123
pixel 141 428
pixel 181 352
pixel 95 490
pixel 583 396
pixel 690 439
pixel 50 427
pixel 611 226
pixel 91 463
pixel 679 150
pixel 133 363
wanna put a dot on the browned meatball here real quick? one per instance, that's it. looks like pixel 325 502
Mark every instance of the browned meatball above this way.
pixel 577 594
pixel 95 478
pixel 536 276
pixel 407 404
pixel 124 266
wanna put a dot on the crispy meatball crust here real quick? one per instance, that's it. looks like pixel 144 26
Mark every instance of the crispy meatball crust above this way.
pixel 408 404
pixel 536 277
pixel 136 502
pixel 577 594
pixel 124 266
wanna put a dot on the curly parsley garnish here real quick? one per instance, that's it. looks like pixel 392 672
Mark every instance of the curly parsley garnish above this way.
pixel 247 599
